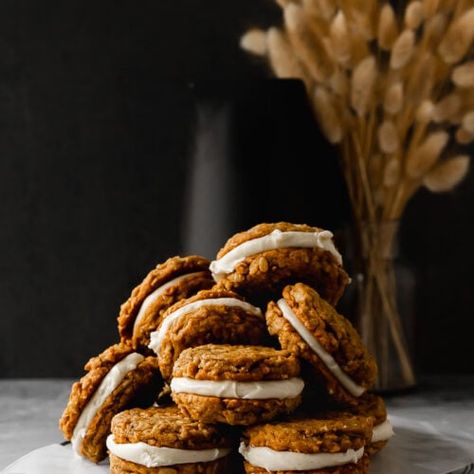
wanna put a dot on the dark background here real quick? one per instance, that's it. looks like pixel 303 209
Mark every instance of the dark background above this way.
pixel 110 162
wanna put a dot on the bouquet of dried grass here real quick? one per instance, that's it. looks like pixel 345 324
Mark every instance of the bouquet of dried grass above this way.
pixel 395 91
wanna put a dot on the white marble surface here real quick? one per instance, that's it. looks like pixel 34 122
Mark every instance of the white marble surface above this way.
pixel 30 409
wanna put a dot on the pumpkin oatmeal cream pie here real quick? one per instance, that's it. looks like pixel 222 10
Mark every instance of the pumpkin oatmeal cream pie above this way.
pixel 237 385
pixel 211 316
pixel 373 406
pixel 311 328
pixel 118 378
pixel 169 282
pixel 161 440
pixel 332 443
pixel 259 262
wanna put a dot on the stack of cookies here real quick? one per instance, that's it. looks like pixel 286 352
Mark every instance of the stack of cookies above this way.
pixel 239 365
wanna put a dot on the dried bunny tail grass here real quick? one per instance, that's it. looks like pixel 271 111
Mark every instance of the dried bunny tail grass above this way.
pixel 463 137
pixel 387 31
pixel 282 59
pixel 362 85
pixel 402 49
pixel 447 174
pixel 424 112
pixel 422 159
pixel 325 9
pixel 414 15
pixel 420 79
pixel 307 44
pixel 327 115
pixel 393 100
pixel 387 134
pixel 254 41
pixel 468 122
pixel 340 38
pixel 430 7
pixel 391 174
pixel 463 75
pixel 457 40
pixel 339 83
pixel 447 108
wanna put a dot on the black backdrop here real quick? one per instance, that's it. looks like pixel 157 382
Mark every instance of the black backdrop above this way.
pixel 102 176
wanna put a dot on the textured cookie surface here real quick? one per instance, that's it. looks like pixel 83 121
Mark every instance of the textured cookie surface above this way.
pixel 239 363
pixel 159 276
pixel 208 324
pixel 264 275
pixel 334 333
pixel 167 427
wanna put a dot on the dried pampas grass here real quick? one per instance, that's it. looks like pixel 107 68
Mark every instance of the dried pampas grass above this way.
pixel 447 175
pixel 255 42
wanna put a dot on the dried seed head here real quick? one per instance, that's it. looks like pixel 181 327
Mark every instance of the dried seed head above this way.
pixel 447 108
pixel 468 122
pixel 458 38
pixel 339 83
pixel 340 39
pixel 447 174
pixel 362 85
pixel 282 58
pixel 402 49
pixel 320 8
pixel 414 15
pixel 434 30
pixel 328 117
pixel 425 110
pixel 463 137
pixel 387 30
pixel 387 134
pixel 422 159
pixel 391 173
pixel 420 78
pixel 463 75
pixel 307 43
pixel 254 41
pixel 393 100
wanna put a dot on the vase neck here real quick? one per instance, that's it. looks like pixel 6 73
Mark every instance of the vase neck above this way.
pixel 380 240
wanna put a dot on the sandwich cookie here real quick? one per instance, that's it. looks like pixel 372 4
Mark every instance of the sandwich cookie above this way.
pixel 211 316
pixel 261 261
pixel 330 444
pixel 237 385
pixel 116 379
pixel 169 282
pixel 311 328
pixel 373 406
pixel 163 441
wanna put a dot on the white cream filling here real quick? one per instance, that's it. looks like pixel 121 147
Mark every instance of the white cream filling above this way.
pixel 156 456
pixel 109 383
pixel 262 390
pixel 313 343
pixel 272 460
pixel 152 297
pixel 275 240
pixel 156 337
pixel 382 431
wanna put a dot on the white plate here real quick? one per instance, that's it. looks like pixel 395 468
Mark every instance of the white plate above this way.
pixel 416 449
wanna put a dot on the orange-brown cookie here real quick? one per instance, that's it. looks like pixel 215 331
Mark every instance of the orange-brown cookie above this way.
pixel 237 385
pixel 169 282
pixel 259 262
pixel 373 406
pixel 311 328
pixel 163 440
pixel 116 379
pixel 332 443
pixel 211 316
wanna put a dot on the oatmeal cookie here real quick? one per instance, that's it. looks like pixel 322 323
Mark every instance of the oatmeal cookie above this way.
pixel 162 440
pixel 259 262
pixel 176 279
pixel 373 406
pixel 116 379
pixel 331 443
pixel 237 385
pixel 211 316
pixel 311 328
